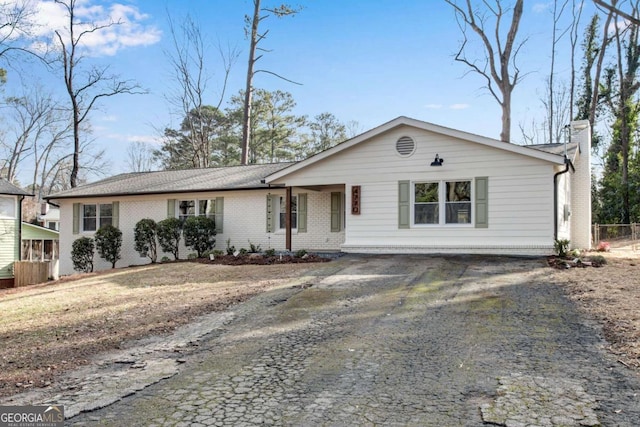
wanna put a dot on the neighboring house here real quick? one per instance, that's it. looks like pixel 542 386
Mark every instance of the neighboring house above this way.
pixel 405 186
pixel 49 216
pixel 10 212
pixel 41 244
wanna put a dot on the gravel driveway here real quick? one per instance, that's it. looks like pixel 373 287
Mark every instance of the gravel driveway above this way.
pixel 396 340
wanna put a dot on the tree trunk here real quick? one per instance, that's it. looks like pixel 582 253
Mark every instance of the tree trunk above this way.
pixel 73 180
pixel 505 135
pixel 246 122
pixel 596 79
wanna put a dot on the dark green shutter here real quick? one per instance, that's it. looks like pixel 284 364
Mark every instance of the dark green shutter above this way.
pixel 76 218
pixel 302 213
pixel 171 208
pixel 482 202
pixel 219 214
pixel 404 204
pixel 271 214
pixel 115 214
pixel 336 202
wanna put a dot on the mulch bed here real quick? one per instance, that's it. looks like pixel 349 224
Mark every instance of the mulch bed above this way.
pixel 259 259
pixel 563 263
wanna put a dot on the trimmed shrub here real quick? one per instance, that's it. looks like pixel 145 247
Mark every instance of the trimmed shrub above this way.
pixel 145 238
pixel 169 232
pixel 82 254
pixel 200 234
pixel 108 243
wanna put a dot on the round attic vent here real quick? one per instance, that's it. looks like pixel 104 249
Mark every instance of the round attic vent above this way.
pixel 405 146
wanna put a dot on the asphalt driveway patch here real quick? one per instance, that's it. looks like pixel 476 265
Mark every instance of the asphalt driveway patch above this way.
pixel 397 340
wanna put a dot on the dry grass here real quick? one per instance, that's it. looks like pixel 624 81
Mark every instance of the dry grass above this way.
pixel 47 329
pixel 611 295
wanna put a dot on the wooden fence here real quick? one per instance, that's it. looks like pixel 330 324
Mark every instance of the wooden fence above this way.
pixel 619 236
pixel 30 272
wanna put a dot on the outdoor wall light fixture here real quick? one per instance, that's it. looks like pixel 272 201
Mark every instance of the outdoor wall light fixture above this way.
pixel 437 161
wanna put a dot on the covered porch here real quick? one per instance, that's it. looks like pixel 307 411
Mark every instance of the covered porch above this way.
pixel 41 244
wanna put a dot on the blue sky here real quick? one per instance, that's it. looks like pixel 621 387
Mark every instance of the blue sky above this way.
pixel 368 61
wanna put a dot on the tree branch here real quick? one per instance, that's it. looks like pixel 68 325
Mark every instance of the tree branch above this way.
pixel 277 75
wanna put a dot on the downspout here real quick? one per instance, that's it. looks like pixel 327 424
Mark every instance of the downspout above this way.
pixel 568 165
pixel 20 228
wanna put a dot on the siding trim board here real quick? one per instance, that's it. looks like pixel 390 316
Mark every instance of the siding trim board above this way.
pixel 520 250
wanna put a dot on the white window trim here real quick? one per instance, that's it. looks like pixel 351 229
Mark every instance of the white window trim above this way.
pixel 442 204
pixel 97 205
pixel 277 214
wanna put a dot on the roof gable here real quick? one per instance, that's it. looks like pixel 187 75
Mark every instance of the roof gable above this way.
pixel 418 124
pixel 8 188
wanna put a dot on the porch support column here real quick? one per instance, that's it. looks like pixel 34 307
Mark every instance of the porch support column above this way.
pixel 288 219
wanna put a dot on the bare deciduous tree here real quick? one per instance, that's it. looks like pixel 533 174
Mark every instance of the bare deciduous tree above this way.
pixel 39 130
pixel 612 8
pixel 557 35
pixel 140 157
pixel 620 93
pixel 255 37
pixel 84 87
pixel 576 13
pixel 595 93
pixel 498 67
pixel 15 25
pixel 190 74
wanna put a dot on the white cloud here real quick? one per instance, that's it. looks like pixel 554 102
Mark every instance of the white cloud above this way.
pixel 147 139
pixel 433 106
pixel 541 7
pixel 459 106
pixel 123 26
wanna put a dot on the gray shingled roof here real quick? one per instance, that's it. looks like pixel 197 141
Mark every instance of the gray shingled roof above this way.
pixel 8 188
pixel 179 181
pixel 556 148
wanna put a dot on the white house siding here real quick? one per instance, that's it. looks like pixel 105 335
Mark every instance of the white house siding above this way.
pixel 9 248
pixel 244 221
pixel 520 194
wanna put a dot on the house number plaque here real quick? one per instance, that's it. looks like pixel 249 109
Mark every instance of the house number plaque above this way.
pixel 355 200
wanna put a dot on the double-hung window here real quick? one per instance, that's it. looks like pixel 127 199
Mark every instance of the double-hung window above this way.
pixel 187 208
pixel 427 203
pixel 207 208
pixel 96 215
pixel 458 202
pixel 453 198
pixel 211 208
pixel 283 212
